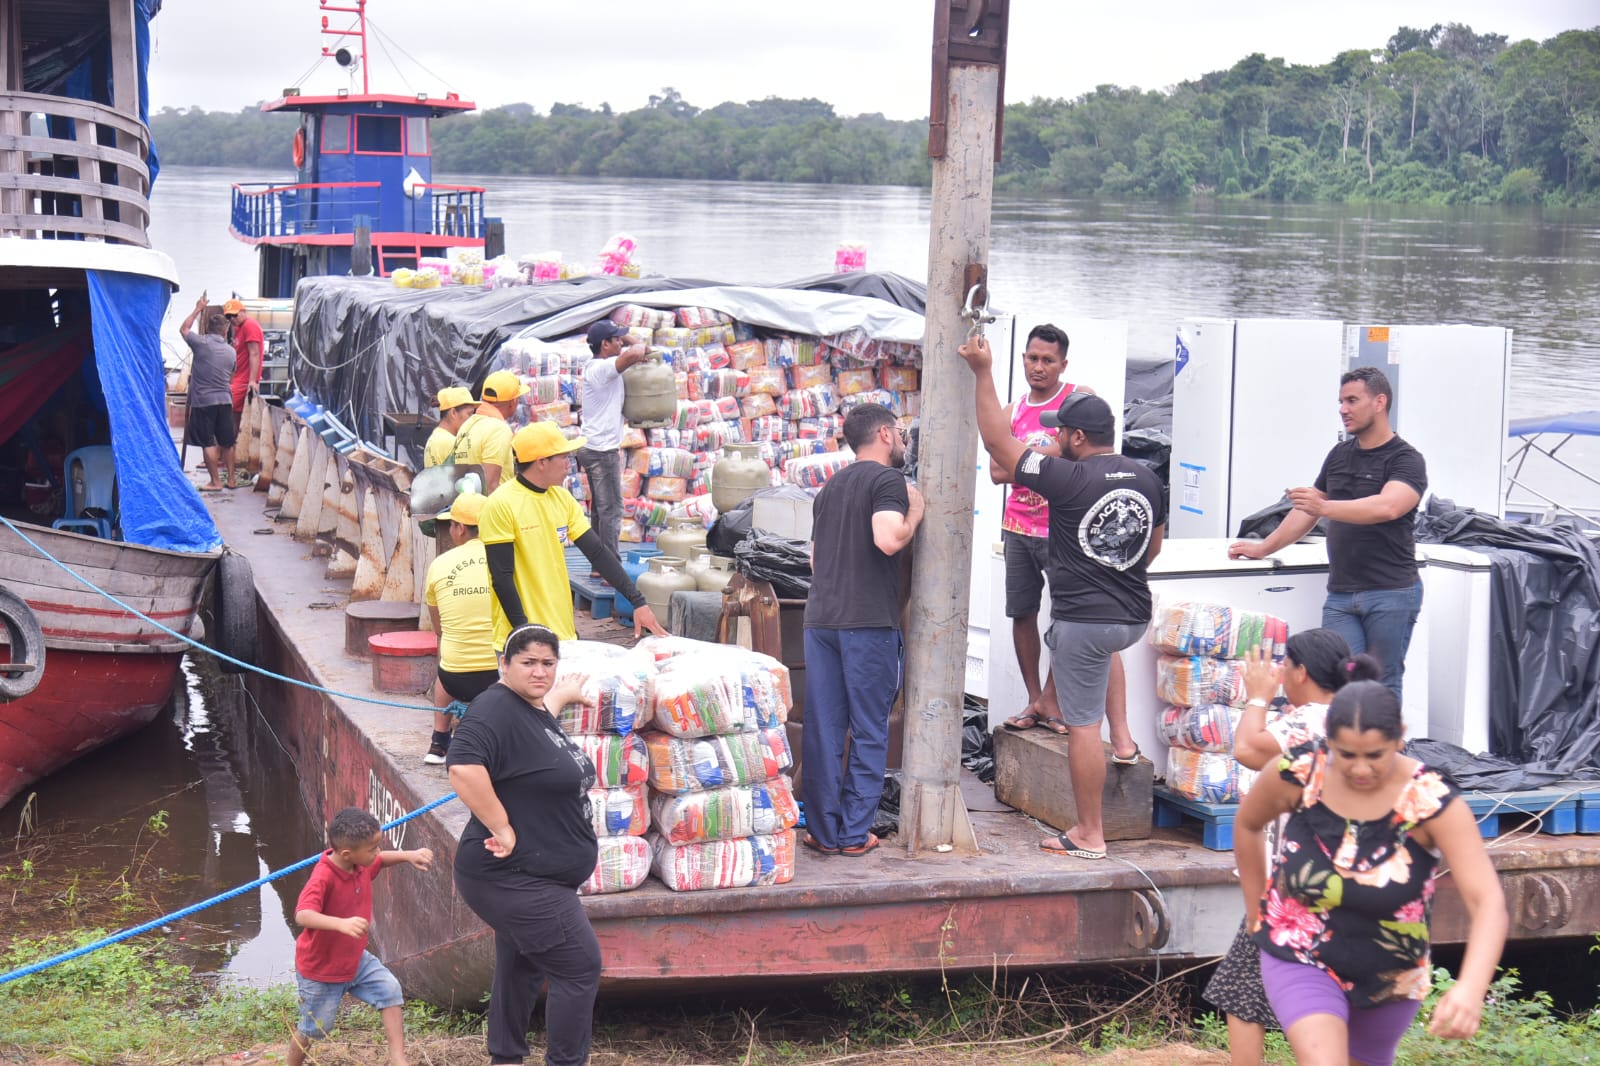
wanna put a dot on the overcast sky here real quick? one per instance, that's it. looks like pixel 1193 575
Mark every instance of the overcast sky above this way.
pixel 859 55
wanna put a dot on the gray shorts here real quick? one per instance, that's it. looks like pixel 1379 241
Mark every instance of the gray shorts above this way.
pixel 1080 655
pixel 1026 559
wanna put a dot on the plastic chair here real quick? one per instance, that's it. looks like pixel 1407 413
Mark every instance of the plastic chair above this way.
pixel 91 492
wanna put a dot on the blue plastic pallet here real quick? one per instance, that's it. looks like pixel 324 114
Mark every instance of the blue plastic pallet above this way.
pixel 1216 819
pixel 1555 809
pixel 1588 796
pixel 588 590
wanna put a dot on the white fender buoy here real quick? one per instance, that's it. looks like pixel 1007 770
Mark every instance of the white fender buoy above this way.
pixel 299 472
pixel 368 584
pixel 398 580
pixel 246 450
pixel 266 448
pixel 281 465
pixel 346 529
pixel 305 526
pixel 328 516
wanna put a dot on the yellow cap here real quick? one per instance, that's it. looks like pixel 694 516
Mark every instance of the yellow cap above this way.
pixel 465 509
pixel 502 385
pixel 540 440
pixel 453 397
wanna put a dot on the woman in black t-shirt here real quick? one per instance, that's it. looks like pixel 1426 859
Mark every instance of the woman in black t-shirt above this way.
pixel 527 847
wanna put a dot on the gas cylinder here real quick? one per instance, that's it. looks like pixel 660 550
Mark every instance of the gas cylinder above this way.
pixel 681 536
pixel 649 392
pixel 716 575
pixel 664 577
pixel 738 475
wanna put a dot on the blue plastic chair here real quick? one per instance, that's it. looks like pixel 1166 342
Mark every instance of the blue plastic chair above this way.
pixel 93 472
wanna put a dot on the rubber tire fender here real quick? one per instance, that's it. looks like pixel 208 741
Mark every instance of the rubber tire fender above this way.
pixel 235 611
pixel 27 646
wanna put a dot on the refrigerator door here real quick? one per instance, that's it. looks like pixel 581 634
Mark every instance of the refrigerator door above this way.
pixel 1202 401
pixel 1456 605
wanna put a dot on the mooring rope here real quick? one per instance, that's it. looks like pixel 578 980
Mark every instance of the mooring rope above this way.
pixel 114 938
pixel 206 647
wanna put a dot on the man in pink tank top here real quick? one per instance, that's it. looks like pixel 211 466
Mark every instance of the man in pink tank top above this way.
pixel 1025 532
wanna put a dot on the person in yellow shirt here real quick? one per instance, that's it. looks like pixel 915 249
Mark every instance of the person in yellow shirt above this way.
pixel 460 603
pixel 455 407
pixel 485 438
pixel 526 527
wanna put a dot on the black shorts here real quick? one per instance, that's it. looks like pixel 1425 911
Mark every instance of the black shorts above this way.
pixel 211 427
pixel 1026 560
pixel 468 686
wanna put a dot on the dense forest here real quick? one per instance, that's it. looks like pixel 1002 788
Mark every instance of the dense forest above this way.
pixel 1441 115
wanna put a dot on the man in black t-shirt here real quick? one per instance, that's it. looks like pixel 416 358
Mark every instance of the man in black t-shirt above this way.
pixel 864 516
pixel 1106 520
pixel 1368 490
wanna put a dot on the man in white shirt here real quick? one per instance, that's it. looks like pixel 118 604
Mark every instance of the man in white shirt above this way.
pixel 601 456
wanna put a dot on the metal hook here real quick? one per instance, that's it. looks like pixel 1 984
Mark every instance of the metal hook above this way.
pixel 975 313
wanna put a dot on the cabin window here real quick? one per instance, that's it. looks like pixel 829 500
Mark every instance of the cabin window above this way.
pixel 417 135
pixel 335 133
pixel 378 135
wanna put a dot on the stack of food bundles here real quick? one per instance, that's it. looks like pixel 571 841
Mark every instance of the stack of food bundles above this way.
pixel 1200 676
pixel 723 810
pixel 617 699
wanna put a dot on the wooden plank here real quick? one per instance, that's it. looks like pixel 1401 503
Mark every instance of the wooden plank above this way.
pixel 1031 773
pixel 64 107
pixel 27 225
pixel 10 44
pixel 92 208
pixel 73 187
pixel 124 59
pixel 80 148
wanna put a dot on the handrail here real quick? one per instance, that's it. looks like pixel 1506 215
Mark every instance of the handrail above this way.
pixel 453 188
pixel 268 187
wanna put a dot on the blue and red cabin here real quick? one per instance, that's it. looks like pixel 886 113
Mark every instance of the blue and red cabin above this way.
pixel 362 161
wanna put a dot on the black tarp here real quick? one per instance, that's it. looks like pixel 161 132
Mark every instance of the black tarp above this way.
pixel 363 348
pixel 1544 671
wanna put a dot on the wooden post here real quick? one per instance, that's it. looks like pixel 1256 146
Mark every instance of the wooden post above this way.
pixel 963 143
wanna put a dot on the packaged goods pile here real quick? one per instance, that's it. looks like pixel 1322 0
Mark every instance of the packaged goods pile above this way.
pixel 735 384
pixel 711 747
pixel 1200 675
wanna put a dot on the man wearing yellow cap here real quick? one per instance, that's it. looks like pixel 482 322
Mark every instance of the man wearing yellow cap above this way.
pixel 461 604
pixel 485 438
pixel 526 527
pixel 455 407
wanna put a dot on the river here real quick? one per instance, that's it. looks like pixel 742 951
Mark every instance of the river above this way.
pixel 1149 264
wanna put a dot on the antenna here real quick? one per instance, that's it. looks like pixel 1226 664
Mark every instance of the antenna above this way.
pixel 343 56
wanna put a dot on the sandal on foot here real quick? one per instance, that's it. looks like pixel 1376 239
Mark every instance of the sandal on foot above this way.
pixel 809 841
pixel 1055 725
pixel 1127 760
pixel 1069 847
pixel 858 850
pixel 1021 723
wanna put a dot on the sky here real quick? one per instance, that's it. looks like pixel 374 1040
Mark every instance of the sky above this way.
pixel 861 56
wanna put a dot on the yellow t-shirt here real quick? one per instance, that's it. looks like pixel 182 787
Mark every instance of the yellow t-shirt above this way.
pixel 485 438
pixel 441 444
pixel 541 525
pixel 458 584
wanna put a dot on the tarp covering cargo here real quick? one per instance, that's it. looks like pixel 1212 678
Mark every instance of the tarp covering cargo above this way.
pixel 363 348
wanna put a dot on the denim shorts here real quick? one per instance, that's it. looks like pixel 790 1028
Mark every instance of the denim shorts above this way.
pixel 319 1000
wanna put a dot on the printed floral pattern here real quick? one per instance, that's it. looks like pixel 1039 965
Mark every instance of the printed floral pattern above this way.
pixel 1354 897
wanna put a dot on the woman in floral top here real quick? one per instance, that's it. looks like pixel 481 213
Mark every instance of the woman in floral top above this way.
pixel 1316 664
pixel 1343 922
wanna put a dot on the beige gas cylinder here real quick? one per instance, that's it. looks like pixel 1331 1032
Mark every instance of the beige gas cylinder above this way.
pixel 681 537
pixel 716 575
pixel 738 475
pixel 664 577
pixel 649 392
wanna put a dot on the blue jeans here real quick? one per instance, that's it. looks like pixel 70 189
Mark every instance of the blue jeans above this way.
pixel 852 676
pixel 1378 622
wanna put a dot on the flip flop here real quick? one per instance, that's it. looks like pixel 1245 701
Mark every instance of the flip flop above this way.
pixel 1016 722
pixel 1055 725
pixel 208 488
pixel 809 841
pixel 1069 848
pixel 1127 760
pixel 870 844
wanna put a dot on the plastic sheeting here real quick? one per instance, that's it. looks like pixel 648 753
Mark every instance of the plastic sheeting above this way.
pixel 1544 671
pixel 160 507
pixel 363 347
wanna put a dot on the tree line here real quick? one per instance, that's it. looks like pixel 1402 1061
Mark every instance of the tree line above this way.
pixel 1441 114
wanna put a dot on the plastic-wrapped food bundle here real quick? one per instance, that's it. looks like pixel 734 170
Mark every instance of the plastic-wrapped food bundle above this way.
pixel 743 863
pixel 623 865
pixel 402 277
pixel 813 471
pixel 728 382
pixel 699 508
pixel 636 315
pixel 849 256
pixel 824 427
pixel 617 697
pixel 592 649
pixel 806 377
pixel 618 760
pixel 559 412
pixel 620 812
pixel 663 648
pixel 878 396
pixel 730 690
pixel 768 379
pixel 670 462
pixel 743 355
pixel 1208 776
pixel 666 489
pixel 690 764
pixel 771 428
pixel 647 512
pixel 700 317
pixel 758 405
pixel 1197 679
pixel 439 264
pixel 426 278
pixel 855 345
pixel 632 482
pixel 850 382
pixel 1194 628
pixel 813 402
pixel 725 813
pixel 632 437
pixel 899 378
pixel 673 338
pixel 1208 727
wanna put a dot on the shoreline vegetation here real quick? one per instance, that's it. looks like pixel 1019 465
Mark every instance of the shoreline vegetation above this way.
pixel 1441 115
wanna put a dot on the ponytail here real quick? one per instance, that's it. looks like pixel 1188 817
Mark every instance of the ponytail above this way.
pixel 1363 705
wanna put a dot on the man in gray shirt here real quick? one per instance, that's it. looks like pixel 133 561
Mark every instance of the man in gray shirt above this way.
pixel 210 412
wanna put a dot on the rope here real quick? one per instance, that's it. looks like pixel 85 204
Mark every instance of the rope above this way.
pixel 204 647
pixel 114 938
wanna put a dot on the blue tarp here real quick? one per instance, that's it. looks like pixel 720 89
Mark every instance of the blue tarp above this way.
pixel 1583 423
pixel 160 507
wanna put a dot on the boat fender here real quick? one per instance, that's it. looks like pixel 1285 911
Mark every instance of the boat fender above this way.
pixel 27 647
pixel 297 150
pixel 235 611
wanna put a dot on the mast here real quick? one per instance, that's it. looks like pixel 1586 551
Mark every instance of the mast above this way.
pixel 342 55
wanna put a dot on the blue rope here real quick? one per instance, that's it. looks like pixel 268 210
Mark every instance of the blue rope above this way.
pixel 45 964
pixel 205 647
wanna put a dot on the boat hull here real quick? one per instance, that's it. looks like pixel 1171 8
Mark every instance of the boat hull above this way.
pixel 107 672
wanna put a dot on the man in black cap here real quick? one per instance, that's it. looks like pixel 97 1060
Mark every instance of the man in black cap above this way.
pixel 601 456
pixel 1106 519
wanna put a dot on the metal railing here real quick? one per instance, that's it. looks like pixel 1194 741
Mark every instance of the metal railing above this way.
pixel 89 184
pixel 457 211
pixel 268 210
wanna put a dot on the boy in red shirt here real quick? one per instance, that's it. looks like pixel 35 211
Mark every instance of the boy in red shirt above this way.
pixel 334 912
